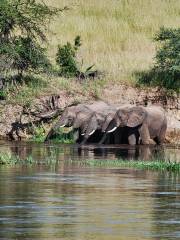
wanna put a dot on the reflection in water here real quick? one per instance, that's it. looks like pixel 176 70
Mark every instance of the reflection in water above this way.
pixel 73 202
pixel 65 152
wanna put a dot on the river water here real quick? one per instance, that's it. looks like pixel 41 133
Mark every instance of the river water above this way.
pixel 73 201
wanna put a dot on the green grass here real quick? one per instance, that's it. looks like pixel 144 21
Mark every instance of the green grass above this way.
pixel 158 165
pixel 8 159
pixel 116 35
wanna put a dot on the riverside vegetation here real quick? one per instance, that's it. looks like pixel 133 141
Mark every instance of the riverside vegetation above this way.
pixel 154 164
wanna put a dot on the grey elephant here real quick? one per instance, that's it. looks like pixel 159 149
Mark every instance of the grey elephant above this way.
pixel 77 117
pixel 142 124
pixel 98 120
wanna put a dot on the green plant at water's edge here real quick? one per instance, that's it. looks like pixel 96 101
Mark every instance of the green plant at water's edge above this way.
pixel 63 136
pixel 60 137
pixel 158 165
pixel 162 165
pixel 8 159
pixel 38 134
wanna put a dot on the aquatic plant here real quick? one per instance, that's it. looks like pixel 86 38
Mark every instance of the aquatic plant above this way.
pixel 8 159
pixel 50 160
pixel 161 165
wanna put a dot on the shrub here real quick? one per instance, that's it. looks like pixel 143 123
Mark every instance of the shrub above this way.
pixel 166 71
pixel 66 59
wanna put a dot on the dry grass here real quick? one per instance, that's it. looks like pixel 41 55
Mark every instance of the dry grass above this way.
pixel 117 35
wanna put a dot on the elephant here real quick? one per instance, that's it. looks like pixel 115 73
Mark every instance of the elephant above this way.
pixel 97 121
pixel 77 117
pixel 142 124
pixel 91 124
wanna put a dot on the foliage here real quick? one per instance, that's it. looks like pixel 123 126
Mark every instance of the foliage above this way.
pixel 24 54
pixel 22 25
pixel 61 135
pixel 166 72
pixel 39 134
pixel 66 59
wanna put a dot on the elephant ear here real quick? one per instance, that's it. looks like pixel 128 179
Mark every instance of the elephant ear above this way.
pixel 92 126
pixel 106 123
pixel 136 117
pixel 82 117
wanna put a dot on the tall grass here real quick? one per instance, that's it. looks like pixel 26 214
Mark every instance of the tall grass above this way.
pixel 117 35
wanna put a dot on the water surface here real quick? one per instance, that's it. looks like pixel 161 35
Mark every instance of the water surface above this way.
pixel 70 201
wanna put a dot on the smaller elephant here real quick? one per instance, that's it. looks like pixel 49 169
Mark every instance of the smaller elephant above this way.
pixel 144 124
pixel 77 117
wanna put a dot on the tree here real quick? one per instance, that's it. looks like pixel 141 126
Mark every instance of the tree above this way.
pixel 22 27
pixel 166 71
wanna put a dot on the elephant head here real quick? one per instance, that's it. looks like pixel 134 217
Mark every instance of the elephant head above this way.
pixel 67 119
pixel 95 123
pixel 130 117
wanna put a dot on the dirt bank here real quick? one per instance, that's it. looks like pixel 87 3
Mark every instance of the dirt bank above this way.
pixel 18 122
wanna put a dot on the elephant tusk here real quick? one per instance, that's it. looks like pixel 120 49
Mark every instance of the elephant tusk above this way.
pixel 62 125
pixel 82 134
pixel 91 132
pixel 112 130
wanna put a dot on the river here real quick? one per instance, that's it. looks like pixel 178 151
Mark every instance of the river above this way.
pixel 72 201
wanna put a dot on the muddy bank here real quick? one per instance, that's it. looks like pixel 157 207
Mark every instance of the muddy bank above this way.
pixel 18 122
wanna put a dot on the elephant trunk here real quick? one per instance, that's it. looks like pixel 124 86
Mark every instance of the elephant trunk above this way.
pixel 50 133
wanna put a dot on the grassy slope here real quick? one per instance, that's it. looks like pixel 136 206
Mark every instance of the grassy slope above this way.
pixel 117 38
pixel 117 35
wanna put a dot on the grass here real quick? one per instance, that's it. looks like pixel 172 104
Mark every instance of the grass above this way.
pixel 116 36
pixel 158 165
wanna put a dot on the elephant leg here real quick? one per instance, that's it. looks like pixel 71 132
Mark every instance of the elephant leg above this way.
pixel 162 134
pixel 132 139
pixel 51 132
pixel 103 138
pixel 84 141
pixel 144 135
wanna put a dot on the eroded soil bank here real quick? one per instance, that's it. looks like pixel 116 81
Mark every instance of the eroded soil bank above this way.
pixel 17 122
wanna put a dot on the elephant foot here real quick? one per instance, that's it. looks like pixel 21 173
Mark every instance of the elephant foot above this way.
pixel 149 142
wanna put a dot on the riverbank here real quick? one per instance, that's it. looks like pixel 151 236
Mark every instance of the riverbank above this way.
pixel 33 120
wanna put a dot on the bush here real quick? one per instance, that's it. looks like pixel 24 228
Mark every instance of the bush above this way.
pixel 22 26
pixel 166 71
pixel 66 59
